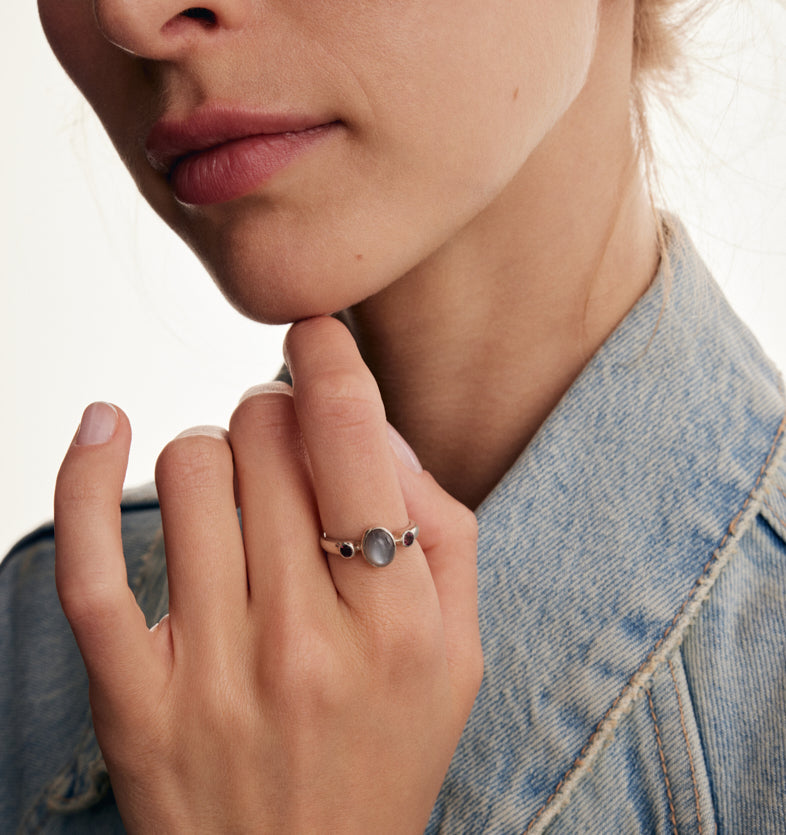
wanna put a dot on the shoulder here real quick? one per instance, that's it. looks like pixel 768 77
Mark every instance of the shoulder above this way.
pixel 49 762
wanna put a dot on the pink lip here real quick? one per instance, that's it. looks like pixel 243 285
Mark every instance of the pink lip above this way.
pixel 220 153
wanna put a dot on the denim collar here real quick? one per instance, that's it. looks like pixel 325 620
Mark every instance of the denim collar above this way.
pixel 598 546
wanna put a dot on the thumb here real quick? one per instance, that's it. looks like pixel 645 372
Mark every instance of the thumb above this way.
pixel 449 539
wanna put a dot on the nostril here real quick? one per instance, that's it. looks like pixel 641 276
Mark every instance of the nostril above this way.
pixel 205 16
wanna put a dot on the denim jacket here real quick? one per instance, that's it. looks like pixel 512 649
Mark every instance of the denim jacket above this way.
pixel 632 581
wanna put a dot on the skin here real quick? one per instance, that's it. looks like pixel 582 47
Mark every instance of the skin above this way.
pixel 283 692
pixel 480 219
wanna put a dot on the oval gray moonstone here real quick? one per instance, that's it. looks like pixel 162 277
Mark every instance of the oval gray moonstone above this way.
pixel 378 547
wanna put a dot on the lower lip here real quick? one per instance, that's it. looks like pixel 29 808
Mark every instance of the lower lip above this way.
pixel 237 168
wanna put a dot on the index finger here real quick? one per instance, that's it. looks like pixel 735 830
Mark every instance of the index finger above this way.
pixel 342 419
pixel 90 568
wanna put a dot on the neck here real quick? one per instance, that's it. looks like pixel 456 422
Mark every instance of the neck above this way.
pixel 474 348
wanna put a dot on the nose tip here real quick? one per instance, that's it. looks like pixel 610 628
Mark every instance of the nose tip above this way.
pixel 160 29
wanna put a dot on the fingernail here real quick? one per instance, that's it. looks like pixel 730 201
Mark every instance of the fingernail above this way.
pixel 98 425
pixel 404 451
pixel 273 387
pixel 204 431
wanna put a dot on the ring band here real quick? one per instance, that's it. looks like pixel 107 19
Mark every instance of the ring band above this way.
pixel 377 544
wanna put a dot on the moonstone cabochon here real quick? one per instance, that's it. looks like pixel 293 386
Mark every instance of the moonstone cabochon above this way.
pixel 378 547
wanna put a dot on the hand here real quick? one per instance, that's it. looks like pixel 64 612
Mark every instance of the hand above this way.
pixel 286 690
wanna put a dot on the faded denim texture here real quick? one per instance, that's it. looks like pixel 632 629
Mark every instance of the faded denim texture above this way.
pixel 633 607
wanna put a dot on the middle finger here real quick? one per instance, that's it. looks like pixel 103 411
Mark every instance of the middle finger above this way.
pixel 285 569
pixel 342 418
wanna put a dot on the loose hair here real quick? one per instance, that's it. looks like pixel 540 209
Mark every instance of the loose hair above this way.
pixel 660 31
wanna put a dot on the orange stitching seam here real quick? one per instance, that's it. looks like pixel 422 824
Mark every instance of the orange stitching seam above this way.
pixel 687 745
pixel 663 763
pixel 730 532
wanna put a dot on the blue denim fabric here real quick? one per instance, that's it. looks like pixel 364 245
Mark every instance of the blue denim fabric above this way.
pixel 52 775
pixel 633 607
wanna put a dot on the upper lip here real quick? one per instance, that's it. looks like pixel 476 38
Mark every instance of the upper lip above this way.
pixel 171 139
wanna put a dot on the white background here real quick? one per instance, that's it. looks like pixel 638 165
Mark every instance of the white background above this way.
pixel 99 301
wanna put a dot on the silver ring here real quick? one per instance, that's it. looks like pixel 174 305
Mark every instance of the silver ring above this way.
pixel 377 544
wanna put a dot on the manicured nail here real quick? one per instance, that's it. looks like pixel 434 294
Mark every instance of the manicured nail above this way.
pixel 404 451
pixel 97 426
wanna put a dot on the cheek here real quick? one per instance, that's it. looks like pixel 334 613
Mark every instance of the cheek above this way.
pixel 109 79
pixel 533 73
pixel 72 34
pixel 463 112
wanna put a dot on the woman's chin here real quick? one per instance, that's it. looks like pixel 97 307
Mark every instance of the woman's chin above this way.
pixel 284 290
pixel 279 276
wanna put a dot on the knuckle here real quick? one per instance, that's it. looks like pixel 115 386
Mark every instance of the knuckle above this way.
pixel 307 676
pixel 264 417
pixel 466 525
pixel 341 399
pixel 84 489
pixel 408 643
pixel 87 607
pixel 460 526
pixel 192 464
pixel 223 696
pixel 452 522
